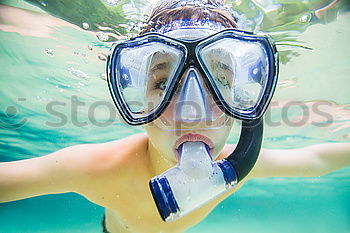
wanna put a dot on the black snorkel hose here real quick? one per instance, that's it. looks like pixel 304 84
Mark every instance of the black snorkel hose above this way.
pixel 247 151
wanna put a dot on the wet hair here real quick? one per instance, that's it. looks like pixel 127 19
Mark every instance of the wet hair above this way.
pixel 170 11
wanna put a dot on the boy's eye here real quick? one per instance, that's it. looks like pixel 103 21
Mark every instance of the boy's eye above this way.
pixel 222 80
pixel 160 84
pixel 222 73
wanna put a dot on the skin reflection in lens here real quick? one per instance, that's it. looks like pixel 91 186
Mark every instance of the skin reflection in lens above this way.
pixel 161 67
pixel 221 65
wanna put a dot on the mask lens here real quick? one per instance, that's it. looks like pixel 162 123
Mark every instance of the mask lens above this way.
pixel 239 70
pixel 144 74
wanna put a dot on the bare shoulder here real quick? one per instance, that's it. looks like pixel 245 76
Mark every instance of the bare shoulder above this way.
pixel 110 155
pixel 91 161
pixel 93 166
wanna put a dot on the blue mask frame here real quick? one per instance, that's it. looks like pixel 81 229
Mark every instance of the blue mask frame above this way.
pixel 191 57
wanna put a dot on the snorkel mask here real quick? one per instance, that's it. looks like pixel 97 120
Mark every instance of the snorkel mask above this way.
pixel 189 61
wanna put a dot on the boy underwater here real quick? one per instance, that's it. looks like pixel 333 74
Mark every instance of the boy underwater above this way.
pixel 187 106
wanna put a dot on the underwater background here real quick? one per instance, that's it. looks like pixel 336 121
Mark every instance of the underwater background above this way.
pixel 54 94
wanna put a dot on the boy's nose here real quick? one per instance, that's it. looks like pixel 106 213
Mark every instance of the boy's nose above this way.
pixel 192 103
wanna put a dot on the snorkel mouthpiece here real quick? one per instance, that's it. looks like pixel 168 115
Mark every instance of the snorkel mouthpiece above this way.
pixel 196 180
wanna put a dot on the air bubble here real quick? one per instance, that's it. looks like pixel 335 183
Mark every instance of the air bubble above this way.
pixel 129 27
pixel 304 18
pixel 80 84
pixel 49 52
pixel 103 76
pixel 183 3
pixel 206 12
pixel 144 25
pixel 131 35
pixel 198 3
pixel 85 25
pixel 43 3
pixel 102 57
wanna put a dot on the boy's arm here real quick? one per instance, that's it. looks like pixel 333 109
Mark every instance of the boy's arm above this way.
pixel 81 169
pixel 316 160
pixel 59 172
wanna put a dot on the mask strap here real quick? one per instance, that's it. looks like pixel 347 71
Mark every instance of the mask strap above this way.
pixel 190 24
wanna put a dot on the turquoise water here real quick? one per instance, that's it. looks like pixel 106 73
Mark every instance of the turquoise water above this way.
pixel 45 63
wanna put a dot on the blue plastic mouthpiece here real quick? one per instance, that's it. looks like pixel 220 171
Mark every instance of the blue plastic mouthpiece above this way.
pixel 179 190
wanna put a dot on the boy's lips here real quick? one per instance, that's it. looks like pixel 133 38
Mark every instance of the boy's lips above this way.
pixel 191 137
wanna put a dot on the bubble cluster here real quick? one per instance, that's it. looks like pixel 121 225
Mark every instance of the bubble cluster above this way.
pixel 49 52
pixel 78 73
pixel 101 36
pixel 112 2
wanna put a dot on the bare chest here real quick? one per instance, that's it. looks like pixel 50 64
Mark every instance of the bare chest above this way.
pixel 133 210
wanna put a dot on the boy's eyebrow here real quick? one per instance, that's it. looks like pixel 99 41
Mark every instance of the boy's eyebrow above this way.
pixel 223 64
pixel 160 61
pixel 221 53
pixel 160 66
pixel 226 66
